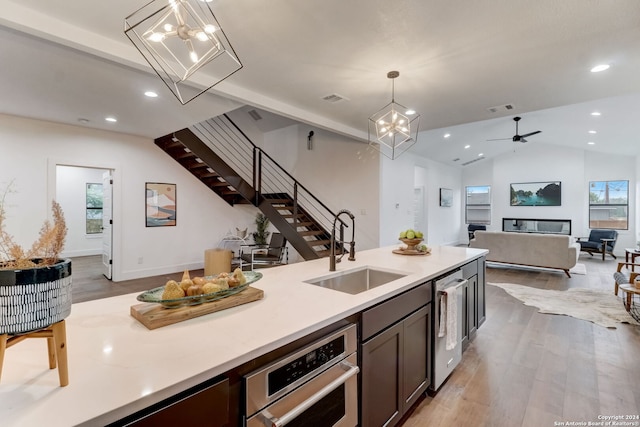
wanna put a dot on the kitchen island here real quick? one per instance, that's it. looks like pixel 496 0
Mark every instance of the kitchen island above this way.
pixel 117 366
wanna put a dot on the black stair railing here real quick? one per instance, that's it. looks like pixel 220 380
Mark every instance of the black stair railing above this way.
pixel 270 180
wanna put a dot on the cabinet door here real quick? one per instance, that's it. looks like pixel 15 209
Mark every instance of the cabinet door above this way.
pixel 481 305
pixel 417 341
pixel 382 378
pixel 465 315
pixel 204 405
pixel 472 307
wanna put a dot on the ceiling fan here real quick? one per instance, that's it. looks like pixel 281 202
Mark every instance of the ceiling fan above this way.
pixel 516 137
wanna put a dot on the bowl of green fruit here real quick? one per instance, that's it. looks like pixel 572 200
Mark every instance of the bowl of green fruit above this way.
pixel 411 238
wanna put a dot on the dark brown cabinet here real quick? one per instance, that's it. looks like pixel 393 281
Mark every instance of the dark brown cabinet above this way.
pixel 204 405
pixel 395 356
pixel 474 308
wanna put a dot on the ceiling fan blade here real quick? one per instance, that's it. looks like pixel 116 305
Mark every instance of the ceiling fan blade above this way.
pixel 499 139
pixel 522 140
pixel 529 134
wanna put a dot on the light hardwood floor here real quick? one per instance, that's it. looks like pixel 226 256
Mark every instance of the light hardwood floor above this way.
pixel 522 369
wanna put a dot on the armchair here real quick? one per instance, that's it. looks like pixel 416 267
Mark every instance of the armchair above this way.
pixel 275 253
pixel 624 279
pixel 599 241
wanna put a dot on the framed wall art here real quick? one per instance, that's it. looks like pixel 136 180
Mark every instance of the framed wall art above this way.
pixel 546 193
pixel 161 204
pixel 446 197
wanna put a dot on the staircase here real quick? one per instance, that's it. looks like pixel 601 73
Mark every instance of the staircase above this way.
pixel 224 159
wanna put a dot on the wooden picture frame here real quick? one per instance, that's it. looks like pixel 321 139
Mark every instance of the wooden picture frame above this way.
pixel 161 204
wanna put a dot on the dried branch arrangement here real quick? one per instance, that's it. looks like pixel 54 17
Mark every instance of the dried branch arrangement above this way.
pixel 46 249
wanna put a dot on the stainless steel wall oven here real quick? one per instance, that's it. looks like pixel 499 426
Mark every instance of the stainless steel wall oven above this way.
pixel 314 386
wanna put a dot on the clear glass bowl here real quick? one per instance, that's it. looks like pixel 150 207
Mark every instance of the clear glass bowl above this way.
pixel 155 295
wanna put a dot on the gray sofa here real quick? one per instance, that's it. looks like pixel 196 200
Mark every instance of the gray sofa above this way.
pixel 531 249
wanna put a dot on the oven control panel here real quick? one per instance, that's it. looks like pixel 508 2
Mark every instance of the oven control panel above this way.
pixel 304 365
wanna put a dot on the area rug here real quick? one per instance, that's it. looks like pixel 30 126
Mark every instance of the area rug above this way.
pixel 578 269
pixel 600 307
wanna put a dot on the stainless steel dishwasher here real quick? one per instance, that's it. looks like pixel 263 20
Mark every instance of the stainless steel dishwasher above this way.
pixel 444 361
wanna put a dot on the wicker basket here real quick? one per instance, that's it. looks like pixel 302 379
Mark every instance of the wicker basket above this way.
pixel 34 298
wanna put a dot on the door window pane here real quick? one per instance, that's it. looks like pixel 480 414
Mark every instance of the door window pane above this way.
pixel 94 208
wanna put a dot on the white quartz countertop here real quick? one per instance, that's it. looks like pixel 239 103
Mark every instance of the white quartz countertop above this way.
pixel 117 366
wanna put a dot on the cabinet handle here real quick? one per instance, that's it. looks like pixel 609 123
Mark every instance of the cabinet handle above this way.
pixel 295 412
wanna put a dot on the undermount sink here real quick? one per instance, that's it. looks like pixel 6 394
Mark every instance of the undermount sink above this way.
pixel 356 280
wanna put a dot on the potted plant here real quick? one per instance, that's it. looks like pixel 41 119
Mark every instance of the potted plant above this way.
pixel 35 284
pixel 261 234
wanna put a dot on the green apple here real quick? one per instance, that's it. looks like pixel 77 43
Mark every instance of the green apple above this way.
pixel 419 234
pixel 411 234
pixel 403 234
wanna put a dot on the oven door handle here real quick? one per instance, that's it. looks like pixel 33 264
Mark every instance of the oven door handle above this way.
pixel 295 412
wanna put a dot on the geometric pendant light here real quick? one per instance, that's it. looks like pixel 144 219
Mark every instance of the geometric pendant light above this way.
pixel 394 128
pixel 184 44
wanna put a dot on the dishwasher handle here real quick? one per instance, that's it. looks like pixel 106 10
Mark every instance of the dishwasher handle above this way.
pixel 295 412
pixel 458 283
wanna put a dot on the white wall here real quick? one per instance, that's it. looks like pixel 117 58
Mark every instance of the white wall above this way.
pixel 337 170
pixel 398 178
pixel 543 162
pixel 71 190
pixel 35 148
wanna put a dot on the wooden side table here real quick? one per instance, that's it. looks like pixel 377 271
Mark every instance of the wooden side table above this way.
pixel 631 253
pixel 630 291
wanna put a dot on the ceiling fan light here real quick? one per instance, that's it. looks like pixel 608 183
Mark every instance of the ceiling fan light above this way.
pixel 210 29
pixel 202 36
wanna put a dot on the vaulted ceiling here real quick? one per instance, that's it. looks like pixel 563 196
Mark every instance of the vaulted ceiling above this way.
pixel 69 60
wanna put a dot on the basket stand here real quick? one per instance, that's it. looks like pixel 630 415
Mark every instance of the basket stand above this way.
pixel 56 336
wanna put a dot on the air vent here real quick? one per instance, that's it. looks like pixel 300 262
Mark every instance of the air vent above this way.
pixel 254 115
pixel 473 161
pixel 334 97
pixel 501 108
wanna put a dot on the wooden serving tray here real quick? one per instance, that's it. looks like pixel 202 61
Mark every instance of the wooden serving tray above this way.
pixel 155 316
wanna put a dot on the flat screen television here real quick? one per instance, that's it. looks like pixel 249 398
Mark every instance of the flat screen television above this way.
pixel 548 193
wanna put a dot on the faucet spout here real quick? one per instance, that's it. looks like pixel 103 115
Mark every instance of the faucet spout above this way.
pixel 352 244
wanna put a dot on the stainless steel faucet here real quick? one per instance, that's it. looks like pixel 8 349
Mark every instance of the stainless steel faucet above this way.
pixel 352 244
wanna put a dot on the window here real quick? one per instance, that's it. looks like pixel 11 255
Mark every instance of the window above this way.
pixel 609 204
pixel 94 208
pixel 478 205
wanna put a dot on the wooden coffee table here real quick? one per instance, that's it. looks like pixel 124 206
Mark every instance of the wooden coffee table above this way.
pixel 631 291
pixel 631 253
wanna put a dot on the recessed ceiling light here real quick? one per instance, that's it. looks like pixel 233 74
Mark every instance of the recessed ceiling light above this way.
pixel 151 94
pixel 447 135
pixel 111 119
pixel 410 112
pixel 600 67
pixel 467 146
pixel 481 154
pixel 595 113
pixel 592 131
pixel 591 143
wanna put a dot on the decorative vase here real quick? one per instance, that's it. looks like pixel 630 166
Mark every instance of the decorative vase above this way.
pixel 34 298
